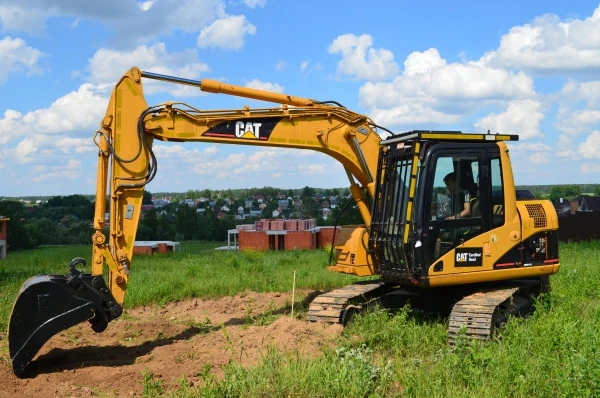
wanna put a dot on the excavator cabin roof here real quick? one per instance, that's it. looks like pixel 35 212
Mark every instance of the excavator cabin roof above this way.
pixel 447 136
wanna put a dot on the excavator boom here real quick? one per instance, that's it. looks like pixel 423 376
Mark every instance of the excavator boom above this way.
pixel 48 304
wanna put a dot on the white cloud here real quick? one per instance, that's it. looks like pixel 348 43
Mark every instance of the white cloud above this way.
pixel 574 91
pixel 304 67
pixel 577 121
pixel 522 117
pixel 243 167
pixel 255 3
pixel 107 66
pixel 360 60
pixel 75 112
pixel 260 85
pixel 131 22
pixel 24 149
pixel 590 148
pixel 549 45
pixel 280 65
pixel 431 91
pixel 227 33
pixel 146 5
pixel 22 19
pixel 71 171
pixel 17 56
pixel 590 168
pixel 411 114
pixel 579 108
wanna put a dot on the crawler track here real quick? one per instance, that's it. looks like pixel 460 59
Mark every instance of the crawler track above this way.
pixel 482 312
pixel 334 307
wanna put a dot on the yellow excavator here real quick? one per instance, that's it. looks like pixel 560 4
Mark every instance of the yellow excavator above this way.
pixel 443 227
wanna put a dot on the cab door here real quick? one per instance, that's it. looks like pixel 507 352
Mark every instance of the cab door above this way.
pixel 455 200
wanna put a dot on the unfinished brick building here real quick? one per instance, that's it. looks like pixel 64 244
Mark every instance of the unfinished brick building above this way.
pixel 282 234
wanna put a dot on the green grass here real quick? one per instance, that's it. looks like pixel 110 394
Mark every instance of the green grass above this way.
pixel 197 271
pixel 554 353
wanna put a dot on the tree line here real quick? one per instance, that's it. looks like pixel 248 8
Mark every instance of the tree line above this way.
pixel 69 220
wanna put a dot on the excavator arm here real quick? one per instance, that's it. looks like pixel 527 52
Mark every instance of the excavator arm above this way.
pixel 48 304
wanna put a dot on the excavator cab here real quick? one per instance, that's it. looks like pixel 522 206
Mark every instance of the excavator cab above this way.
pixel 446 213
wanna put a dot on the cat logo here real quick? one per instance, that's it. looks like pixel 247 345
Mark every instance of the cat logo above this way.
pixel 247 130
pixel 461 257
pixel 254 128
pixel 468 257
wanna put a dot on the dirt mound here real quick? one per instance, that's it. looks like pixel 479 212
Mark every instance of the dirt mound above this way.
pixel 178 339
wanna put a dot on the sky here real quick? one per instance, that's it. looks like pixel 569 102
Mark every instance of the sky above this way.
pixel 528 68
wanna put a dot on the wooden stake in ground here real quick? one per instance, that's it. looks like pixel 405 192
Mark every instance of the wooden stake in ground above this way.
pixel 293 293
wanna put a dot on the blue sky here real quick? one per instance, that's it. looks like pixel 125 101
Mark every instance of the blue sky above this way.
pixel 528 68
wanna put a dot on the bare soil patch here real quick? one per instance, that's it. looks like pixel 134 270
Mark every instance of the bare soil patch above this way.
pixel 181 338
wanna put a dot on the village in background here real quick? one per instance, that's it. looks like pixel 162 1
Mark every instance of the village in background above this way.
pixel 212 215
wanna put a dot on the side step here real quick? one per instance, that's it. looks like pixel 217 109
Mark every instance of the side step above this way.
pixel 335 306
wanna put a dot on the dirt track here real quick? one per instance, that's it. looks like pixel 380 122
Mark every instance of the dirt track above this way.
pixel 178 339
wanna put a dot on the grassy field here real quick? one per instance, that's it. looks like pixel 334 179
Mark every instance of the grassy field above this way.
pixel 197 271
pixel 554 353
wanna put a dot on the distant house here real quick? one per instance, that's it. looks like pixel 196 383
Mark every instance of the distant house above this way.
pixel 200 210
pixel 259 198
pixel 275 213
pixel 158 203
pixel 189 202
pixel 240 210
pixel 248 203
pixel 224 208
pixel 255 212
pixel 582 203
pixel 220 214
pixel 326 212
pixel 147 208
pixel 212 203
pixel 588 203
pixel 262 206
pixel 283 203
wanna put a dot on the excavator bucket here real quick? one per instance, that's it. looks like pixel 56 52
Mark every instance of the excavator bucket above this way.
pixel 49 304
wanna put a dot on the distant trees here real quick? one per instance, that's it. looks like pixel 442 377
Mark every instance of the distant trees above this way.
pixel 69 219
pixel 63 220
pixel 564 191
pixel 147 199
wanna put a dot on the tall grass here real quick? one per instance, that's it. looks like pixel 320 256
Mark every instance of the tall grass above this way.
pixel 553 353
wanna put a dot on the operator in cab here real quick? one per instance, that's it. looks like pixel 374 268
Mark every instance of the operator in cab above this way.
pixel 460 198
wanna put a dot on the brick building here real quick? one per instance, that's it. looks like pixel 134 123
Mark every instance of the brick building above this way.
pixel 284 235
pixel 3 236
